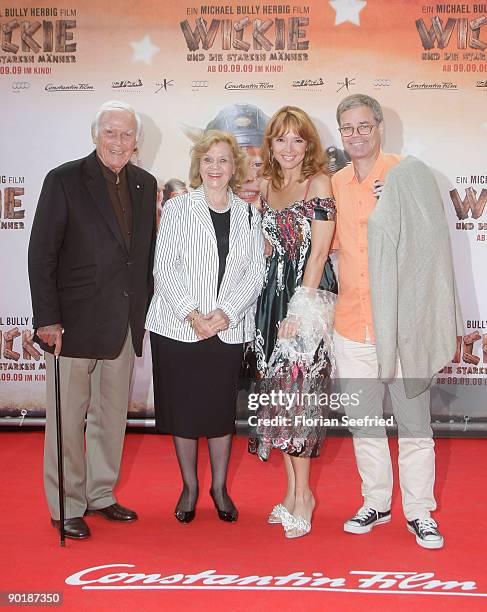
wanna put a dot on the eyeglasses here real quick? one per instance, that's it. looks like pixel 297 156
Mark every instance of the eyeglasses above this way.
pixel 364 129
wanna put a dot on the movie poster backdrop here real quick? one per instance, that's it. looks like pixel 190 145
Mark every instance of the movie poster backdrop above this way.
pixel 186 66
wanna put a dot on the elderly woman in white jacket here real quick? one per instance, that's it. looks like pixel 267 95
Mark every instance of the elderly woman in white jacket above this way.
pixel 208 272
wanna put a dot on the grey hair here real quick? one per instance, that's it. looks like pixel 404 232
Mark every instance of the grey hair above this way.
pixel 171 186
pixel 115 105
pixel 356 100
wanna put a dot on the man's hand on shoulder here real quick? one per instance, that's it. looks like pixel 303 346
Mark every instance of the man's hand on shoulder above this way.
pixel 377 188
pixel 52 335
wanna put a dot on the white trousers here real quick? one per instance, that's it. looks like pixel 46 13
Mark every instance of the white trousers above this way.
pixel 358 370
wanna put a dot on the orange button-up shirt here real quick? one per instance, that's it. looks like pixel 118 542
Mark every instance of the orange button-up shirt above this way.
pixel 354 202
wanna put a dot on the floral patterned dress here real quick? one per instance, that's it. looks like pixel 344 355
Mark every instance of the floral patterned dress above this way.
pixel 289 233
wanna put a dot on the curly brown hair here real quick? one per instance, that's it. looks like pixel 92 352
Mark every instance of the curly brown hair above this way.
pixel 286 119
pixel 204 144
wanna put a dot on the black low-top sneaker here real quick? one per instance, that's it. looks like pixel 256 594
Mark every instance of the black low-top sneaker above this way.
pixel 365 519
pixel 426 531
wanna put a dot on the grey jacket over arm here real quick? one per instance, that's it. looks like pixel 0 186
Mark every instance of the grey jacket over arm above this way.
pixel 415 303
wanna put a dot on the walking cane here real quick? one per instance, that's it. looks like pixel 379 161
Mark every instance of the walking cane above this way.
pixel 60 471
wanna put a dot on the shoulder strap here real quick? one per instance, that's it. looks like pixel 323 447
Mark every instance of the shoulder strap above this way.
pixel 243 322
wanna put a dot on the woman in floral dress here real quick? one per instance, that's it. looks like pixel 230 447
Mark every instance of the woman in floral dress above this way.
pixel 297 300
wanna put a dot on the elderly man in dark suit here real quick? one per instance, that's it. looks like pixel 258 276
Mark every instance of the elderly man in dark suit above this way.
pixel 90 260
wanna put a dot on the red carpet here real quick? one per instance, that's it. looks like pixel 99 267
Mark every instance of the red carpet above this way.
pixel 33 561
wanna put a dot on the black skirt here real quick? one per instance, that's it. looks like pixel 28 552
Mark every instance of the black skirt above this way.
pixel 195 386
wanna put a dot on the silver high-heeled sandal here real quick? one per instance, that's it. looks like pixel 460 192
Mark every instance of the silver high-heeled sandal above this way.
pixel 278 515
pixel 296 526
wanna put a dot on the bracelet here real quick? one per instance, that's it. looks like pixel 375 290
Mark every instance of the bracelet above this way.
pixel 190 319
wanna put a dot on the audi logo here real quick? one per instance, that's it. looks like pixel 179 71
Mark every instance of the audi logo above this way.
pixel 199 83
pixel 382 82
pixel 18 85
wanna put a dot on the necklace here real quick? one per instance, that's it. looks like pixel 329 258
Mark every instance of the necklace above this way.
pixel 219 210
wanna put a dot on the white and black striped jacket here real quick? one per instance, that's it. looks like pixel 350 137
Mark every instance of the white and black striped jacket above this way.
pixel 186 269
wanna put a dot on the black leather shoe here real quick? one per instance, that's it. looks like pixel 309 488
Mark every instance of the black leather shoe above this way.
pixel 116 512
pixel 74 528
pixel 229 516
pixel 185 516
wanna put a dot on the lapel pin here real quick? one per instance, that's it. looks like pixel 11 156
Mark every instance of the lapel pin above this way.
pixel 138 186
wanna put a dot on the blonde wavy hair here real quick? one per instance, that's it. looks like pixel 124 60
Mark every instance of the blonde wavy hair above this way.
pixel 204 144
pixel 287 119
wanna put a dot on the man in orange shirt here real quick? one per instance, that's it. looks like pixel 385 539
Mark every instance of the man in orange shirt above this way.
pixel 356 189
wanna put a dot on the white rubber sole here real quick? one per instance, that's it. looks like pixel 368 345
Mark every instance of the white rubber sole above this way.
pixel 429 544
pixel 353 528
